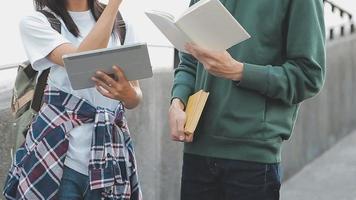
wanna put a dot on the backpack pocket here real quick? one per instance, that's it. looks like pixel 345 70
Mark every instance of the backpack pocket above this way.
pixel 21 126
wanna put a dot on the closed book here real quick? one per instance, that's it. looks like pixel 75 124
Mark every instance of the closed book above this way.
pixel 194 110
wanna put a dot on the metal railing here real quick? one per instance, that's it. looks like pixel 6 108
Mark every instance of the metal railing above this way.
pixel 342 13
pixel 15 65
pixel 8 66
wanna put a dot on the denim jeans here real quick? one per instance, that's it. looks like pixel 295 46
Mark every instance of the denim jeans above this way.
pixel 75 186
pixel 205 178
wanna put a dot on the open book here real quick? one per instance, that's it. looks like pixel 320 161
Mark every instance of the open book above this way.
pixel 194 109
pixel 207 23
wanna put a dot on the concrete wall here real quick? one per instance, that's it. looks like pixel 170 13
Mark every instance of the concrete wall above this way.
pixel 325 119
pixel 321 123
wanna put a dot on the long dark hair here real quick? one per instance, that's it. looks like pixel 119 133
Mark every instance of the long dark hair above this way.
pixel 60 8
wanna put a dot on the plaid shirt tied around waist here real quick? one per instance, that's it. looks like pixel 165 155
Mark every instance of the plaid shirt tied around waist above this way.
pixel 37 166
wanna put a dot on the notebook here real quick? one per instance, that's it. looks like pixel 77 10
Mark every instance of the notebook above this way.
pixel 207 23
pixel 133 59
pixel 194 110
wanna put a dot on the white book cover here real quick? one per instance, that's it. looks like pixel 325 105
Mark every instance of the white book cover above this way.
pixel 207 23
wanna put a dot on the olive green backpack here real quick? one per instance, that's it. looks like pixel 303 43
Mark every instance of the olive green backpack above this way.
pixel 28 90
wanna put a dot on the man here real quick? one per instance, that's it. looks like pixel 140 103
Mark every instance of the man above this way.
pixel 255 89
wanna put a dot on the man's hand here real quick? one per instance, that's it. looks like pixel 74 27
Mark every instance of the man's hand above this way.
pixel 177 118
pixel 217 63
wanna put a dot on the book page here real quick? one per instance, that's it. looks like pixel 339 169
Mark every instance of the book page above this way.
pixel 192 8
pixel 200 107
pixel 211 25
pixel 190 110
pixel 166 25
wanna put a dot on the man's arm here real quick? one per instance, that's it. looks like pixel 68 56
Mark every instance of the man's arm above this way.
pixel 303 73
pixel 299 78
pixel 184 78
pixel 183 87
pixel 184 75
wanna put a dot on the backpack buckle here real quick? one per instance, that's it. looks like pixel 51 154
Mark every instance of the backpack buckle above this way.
pixel 14 105
pixel 18 103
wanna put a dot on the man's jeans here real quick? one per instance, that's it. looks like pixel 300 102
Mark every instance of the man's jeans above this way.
pixel 75 186
pixel 205 178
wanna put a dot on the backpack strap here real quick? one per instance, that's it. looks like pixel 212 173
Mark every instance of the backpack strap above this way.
pixel 53 20
pixel 120 27
pixel 42 79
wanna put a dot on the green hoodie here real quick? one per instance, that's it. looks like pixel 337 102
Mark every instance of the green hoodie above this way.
pixel 284 64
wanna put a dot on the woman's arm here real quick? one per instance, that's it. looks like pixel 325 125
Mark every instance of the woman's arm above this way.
pixel 98 37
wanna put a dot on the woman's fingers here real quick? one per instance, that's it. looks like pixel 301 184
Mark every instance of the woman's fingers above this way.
pixel 101 83
pixel 115 89
pixel 104 92
pixel 119 73
pixel 105 78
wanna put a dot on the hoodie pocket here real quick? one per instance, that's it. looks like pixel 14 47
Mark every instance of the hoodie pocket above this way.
pixel 241 116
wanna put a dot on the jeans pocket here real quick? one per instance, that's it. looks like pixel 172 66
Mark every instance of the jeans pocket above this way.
pixel 247 174
pixel 274 174
pixel 273 178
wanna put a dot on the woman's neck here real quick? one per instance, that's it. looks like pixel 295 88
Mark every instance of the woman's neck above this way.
pixel 77 5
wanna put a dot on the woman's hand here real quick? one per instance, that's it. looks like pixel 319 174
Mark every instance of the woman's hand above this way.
pixel 217 63
pixel 128 92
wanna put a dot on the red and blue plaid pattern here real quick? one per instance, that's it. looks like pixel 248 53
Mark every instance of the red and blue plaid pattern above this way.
pixel 38 164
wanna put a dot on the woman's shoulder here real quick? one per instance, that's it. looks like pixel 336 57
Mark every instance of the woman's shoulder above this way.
pixel 33 19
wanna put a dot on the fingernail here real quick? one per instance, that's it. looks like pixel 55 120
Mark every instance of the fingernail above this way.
pixel 181 137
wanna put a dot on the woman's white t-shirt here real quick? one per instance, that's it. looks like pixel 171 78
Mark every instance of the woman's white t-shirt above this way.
pixel 39 39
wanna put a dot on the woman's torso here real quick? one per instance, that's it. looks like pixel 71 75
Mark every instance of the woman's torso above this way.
pixel 79 138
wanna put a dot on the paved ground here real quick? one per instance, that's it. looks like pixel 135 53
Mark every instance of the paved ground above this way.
pixel 6 143
pixel 330 177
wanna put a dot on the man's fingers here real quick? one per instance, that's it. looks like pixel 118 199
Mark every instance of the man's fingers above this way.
pixel 201 51
pixel 205 57
pixel 177 122
pixel 180 129
pixel 189 47
pixel 189 137
pixel 173 126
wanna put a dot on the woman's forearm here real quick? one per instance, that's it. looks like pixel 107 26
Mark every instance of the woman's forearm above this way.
pixel 99 36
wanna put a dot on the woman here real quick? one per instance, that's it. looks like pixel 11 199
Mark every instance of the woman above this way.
pixel 78 146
